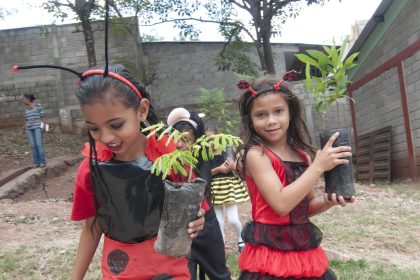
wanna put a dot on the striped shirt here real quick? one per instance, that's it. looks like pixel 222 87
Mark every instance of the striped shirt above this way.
pixel 33 116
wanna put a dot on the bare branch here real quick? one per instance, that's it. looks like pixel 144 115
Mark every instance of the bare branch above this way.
pixel 112 4
pixel 206 21
pixel 70 5
pixel 242 6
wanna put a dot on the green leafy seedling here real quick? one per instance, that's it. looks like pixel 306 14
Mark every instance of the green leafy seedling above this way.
pixel 178 160
pixel 332 66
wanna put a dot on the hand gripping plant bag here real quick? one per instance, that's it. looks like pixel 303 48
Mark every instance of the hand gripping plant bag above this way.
pixel 181 205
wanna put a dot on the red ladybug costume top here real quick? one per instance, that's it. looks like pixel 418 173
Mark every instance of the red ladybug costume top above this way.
pixel 127 201
pixel 282 246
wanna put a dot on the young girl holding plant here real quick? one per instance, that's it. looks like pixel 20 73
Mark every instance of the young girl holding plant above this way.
pixel 115 192
pixel 282 243
pixel 207 249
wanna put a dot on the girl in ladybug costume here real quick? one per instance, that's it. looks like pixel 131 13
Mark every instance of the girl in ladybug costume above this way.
pixel 281 242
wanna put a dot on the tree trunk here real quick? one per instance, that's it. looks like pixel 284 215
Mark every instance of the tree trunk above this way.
pixel 89 41
pixel 260 52
pixel 84 9
pixel 268 54
pixel 265 36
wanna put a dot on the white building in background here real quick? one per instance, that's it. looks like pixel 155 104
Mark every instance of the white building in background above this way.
pixel 356 29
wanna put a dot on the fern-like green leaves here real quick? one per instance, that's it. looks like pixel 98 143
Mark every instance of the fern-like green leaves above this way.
pixel 178 160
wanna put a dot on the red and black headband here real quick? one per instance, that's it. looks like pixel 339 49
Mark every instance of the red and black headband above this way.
pixel 246 85
pixel 105 72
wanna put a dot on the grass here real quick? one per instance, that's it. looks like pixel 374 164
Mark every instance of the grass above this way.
pixel 407 190
pixel 24 263
pixel 362 270
pixel 36 263
pixel 385 221
pixel 351 270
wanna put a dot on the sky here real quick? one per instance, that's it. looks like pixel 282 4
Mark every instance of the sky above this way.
pixel 314 25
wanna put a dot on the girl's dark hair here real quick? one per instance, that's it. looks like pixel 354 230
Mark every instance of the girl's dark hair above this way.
pixel 98 88
pixel 184 126
pixel 31 97
pixel 297 133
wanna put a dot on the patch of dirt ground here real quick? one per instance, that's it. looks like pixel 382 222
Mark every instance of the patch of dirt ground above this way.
pixel 383 225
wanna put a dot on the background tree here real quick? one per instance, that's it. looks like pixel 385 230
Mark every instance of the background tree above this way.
pixel 84 10
pixel 6 12
pixel 126 14
pixel 2 13
pixel 265 18
pixel 239 22
pixel 218 110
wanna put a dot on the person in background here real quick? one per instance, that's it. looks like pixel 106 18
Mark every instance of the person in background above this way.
pixel 228 189
pixel 207 250
pixel 34 118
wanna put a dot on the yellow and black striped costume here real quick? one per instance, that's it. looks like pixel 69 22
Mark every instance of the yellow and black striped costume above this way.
pixel 227 188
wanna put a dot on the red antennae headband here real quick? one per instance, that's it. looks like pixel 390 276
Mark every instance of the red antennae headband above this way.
pixel 115 76
pixel 120 78
pixel 246 85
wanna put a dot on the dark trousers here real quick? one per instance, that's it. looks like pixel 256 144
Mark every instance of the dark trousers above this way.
pixel 208 251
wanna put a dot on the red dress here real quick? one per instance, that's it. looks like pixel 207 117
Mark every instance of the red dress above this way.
pixel 282 247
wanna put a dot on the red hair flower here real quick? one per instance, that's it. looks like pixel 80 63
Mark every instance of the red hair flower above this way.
pixel 102 151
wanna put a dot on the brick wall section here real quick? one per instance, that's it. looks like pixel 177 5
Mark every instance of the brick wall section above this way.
pixel 62 45
pixel 181 68
pixel 378 103
pixel 403 32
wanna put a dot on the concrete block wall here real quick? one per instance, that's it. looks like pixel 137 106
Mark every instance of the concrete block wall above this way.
pixel 61 45
pixel 403 32
pixel 337 115
pixel 181 68
pixel 381 108
pixel 380 98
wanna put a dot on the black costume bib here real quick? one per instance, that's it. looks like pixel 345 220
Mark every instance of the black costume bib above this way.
pixel 129 199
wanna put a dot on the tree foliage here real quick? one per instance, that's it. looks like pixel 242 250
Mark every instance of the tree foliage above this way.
pixel 178 160
pixel 82 10
pixel 334 68
pixel 239 22
pixel 217 109
pixel 3 13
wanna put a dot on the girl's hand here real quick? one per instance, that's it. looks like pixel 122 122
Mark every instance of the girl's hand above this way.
pixel 224 168
pixel 340 201
pixel 195 226
pixel 329 157
pixel 229 163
